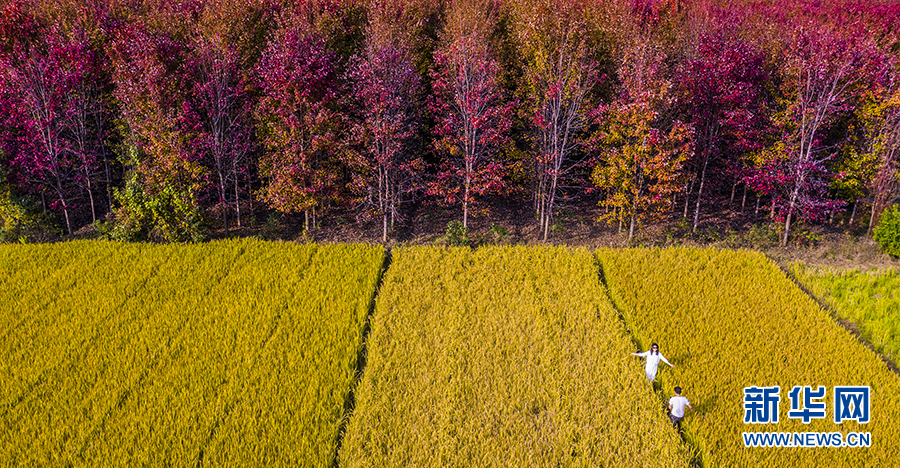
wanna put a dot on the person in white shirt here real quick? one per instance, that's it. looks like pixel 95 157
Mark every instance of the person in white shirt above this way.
pixel 653 357
pixel 676 408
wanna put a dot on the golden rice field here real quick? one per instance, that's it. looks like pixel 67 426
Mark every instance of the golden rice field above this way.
pixel 229 353
pixel 731 320
pixel 245 353
pixel 508 356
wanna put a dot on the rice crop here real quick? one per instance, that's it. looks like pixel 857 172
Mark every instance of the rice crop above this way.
pixel 504 356
pixel 133 354
pixel 733 320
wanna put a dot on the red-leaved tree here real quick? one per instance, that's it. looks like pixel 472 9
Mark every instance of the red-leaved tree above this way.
pixel 221 117
pixel 387 88
pixel 51 102
pixel 823 69
pixel 560 73
pixel 297 120
pixel 473 118
pixel 722 89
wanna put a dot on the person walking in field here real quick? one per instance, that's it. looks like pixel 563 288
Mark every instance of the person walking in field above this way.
pixel 676 408
pixel 653 357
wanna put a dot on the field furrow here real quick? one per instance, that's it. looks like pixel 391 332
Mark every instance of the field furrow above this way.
pixel 142 360
pixel 502 357
pixel 733 320
pixel 291 404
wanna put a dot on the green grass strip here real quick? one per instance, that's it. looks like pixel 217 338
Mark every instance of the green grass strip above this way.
pixel 730 320
pixel 870 301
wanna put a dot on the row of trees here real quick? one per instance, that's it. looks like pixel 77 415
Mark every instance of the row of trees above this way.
pixel 158 112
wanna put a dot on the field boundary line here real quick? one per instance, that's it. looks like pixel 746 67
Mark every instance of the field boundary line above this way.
pixel 696 458
pixel 361 358
pixel 845 324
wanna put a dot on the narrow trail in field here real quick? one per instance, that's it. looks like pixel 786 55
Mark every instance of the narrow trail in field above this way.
pixel 847 325
pixel 350 402
pixel 696 451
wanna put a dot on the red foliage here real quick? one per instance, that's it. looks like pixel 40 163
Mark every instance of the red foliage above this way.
pixel 473 122
pixel 297 120
pixel 48 94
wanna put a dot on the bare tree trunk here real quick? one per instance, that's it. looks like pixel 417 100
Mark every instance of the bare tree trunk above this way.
pixel 619 217
pixel 871 218
pixel 733 189
pixel 756 214
pixel 631 228
pixel 552 199
pixel 64 207
pixel 91 198
pixel 250 196
pixel 852 215
pixel 688 187
pixel 237 200
pixel 700 194
pixel 466 204
pixel 222 202
pixel 787 228
pixel 744 200
pixel 109 196
pixel 791 204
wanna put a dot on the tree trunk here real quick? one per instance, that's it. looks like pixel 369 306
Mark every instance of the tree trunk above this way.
pixel 109 197
pixel 466 205
pixel 550 206
pixel 871 218
pixel 91 198
pixel 852 215
pixel 631 228
pixel 65 212
pixel 700 194
pixel 733 189
pixel 222 202
pixel 250 196
pixel 688 187
pixel 756 213
pixel 787 228
pixel 237 200
pixel 744 200
pixel 619 218
pixel 787 222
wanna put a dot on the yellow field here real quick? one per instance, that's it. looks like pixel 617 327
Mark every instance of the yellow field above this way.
pixel 244 353
pixel 730 320
pixel 502 357
pixel 238 352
